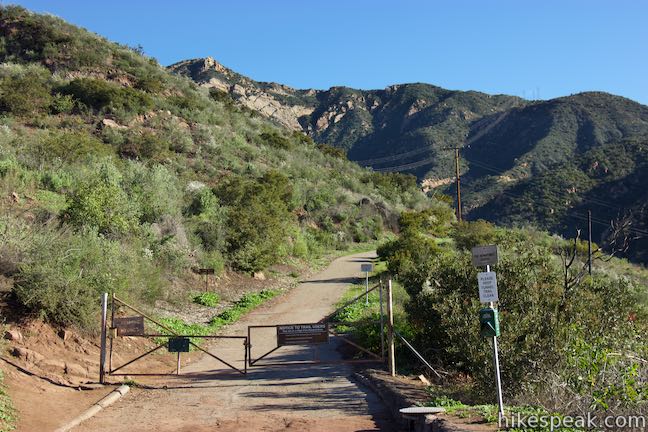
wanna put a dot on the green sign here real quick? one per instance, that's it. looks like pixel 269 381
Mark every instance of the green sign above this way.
pixel 179 344
pixel 488 322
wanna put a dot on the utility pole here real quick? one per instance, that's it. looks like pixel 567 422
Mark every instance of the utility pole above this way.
pixel 459 212
pixel 589 241
pixel 458 181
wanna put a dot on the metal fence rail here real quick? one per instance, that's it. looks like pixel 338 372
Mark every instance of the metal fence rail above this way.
pixel 416 353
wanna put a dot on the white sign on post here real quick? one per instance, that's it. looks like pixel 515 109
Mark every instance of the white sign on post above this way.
pixel 366 267
pixel 487 287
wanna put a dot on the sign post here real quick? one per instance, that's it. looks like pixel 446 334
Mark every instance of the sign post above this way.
pixel 178 345
pixel 102 355
pixel 366 268
pixel 206 272
pixel 487 282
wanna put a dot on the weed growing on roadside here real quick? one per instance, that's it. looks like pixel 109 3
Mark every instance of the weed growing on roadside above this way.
pixel 209 299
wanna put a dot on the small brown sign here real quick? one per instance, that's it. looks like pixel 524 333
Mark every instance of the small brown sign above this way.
pixel 302 334
pixel 130 326
pixel 484 255
pixel 207 271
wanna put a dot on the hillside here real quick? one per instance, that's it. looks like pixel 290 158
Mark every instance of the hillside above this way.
pixel 539 162
pixel 109 162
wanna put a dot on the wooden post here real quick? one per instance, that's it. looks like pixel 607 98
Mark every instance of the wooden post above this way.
pixel 589 241
pixel 459 211
pixel 391 354
pixel 178 368
pixel 102 355
pixel 112 335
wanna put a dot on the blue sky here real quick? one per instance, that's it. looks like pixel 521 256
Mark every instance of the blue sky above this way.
pixel 534 49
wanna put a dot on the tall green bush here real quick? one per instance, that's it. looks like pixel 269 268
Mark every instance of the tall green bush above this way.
pixel 101 203
pixel 105 95
pixel 24 89
pixel 63 275
pixel 258 218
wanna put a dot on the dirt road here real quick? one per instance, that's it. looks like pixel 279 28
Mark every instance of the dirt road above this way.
pixel 212 397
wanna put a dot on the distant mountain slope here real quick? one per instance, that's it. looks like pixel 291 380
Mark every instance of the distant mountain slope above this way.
pixel 540 162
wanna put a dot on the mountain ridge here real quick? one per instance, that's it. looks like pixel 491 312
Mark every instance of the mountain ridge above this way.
pixel 510 146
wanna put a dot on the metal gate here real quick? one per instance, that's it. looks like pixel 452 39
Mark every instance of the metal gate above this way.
pixel 316 334
pixel 134 326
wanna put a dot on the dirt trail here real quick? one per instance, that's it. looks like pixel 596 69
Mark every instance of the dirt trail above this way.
pixel 211 397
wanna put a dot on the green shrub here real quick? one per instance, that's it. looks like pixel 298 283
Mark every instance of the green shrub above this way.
pixel 156 189
pixel 246 303
pixel 332 151
pixel 7 166
pixel 153 83
pixel 172 254
pixel 276 140
pixel 258 217
pixel 63 275
pixel 101 203
pixel 221 96
pixel 212 260
pixel 62 104
pixel 104 95
pixel 470 234
pixel 144 144
pixel 24 90
pixel 57 180
pixel 209 299
pixel 69 146
pixel 51 201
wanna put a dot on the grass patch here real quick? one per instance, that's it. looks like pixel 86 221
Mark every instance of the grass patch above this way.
pixel 209 299
pixel 7 411
pixel 230 315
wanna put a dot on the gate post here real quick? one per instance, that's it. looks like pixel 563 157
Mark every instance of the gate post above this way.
pixel 102 354
pixel 390 331
pixel 382 324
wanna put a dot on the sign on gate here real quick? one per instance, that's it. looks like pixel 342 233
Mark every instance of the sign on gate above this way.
pixel 302 334
pixel 178 344
pixel 130 326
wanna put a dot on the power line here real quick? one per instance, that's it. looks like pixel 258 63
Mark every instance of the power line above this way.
pixel 393 157
pixel 596 201
pixel 504 113
pixel 408 166
pixel 574 214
